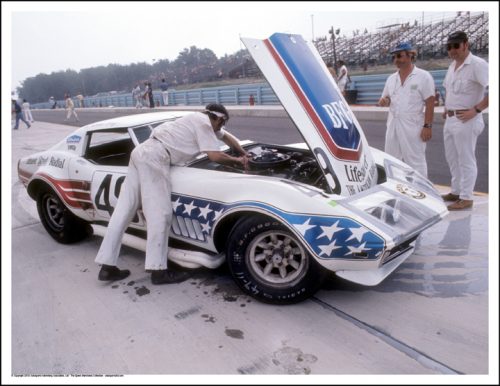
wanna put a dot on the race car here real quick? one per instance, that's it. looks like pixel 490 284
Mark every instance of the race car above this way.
pixel 331 204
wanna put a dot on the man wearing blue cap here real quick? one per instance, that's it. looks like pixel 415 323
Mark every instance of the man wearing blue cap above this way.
pixel 409 93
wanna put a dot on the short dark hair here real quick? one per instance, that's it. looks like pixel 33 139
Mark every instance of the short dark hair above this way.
pixel 457 37
pixel 217 108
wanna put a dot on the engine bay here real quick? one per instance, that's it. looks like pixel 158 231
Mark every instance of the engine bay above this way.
pixel 275 161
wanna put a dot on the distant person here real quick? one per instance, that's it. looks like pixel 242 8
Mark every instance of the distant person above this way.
pixel 148 94
pixel 408 92
pixel 466 85
pixel 332 71
pixel 52 102
pixel 437 97
pixel 70 108
pixel 18 113
pixel 137 95
pixel 343 76
pixel 164 91
pixel 27 111
pixel 80 100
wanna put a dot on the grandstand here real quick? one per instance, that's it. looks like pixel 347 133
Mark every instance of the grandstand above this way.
pixel 429 39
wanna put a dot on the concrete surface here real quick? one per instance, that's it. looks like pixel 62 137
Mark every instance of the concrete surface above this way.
pixel 429 318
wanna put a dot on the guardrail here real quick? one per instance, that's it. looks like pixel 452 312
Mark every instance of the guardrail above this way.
pixel 368 87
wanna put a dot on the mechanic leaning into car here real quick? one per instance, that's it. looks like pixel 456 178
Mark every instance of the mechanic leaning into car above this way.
pixel 148 183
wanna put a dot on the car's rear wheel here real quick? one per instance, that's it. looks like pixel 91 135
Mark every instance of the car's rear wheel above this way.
pixel 269 262
pixel 58 220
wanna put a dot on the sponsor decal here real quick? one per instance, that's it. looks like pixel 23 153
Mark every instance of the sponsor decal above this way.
pixel 31 161
pixel 42 161
pixel 56 162
pixel 71 147
pixel 413 193
pixel 73 139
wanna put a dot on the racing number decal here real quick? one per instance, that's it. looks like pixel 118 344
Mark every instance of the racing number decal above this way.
pixel 102 197
pixel 327 168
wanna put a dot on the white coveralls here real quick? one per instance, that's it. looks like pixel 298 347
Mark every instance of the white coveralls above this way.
pixel 70 108
pixel 465 88
pixel 343 82
pixel 406 117
pixel 27 112
pixel 148 182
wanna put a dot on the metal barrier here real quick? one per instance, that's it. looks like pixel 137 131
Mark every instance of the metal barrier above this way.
pixel 369 89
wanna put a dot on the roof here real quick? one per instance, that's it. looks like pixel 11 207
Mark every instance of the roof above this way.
pixel 134 120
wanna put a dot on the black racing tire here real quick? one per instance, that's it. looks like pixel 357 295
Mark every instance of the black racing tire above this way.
pixel 269 263
pixel 58 220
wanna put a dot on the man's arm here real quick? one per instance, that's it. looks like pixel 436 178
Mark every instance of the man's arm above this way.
pixel 225 159
pixel 231 141
pixel 426 133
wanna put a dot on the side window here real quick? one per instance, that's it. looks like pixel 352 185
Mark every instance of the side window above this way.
pixel 110 147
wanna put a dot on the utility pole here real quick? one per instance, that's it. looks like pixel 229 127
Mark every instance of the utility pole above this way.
pixel 312 27
pixel 332 32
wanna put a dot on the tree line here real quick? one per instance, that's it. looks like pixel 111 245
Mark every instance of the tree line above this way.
pixel 192 65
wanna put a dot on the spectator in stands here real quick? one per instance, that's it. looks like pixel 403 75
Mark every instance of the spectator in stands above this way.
pixel 18 113
pixel 137 95
pixel 331 68
pixel 466 85
pixel 164 91
pixel 343 76
pixel 27 111
pixel 70 108
pixel 407 92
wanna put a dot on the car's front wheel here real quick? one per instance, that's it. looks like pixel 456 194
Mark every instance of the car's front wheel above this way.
pixel 58 220
pixel 268 262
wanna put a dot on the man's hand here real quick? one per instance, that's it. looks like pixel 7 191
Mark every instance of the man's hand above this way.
pixel 466 115
pixel 426 134
pixel 384 101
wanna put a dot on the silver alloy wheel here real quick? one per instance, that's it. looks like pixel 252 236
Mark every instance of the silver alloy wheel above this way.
pixel 277 258
pixel 55 213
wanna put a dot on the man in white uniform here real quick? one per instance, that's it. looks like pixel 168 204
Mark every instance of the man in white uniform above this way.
pixel 148 182
pixel 466 84
pixel 343 76
pixel 408 92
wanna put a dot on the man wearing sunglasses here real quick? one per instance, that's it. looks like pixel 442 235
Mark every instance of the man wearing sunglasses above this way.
pixel 409 93
pixel 466 85
pixel 148 183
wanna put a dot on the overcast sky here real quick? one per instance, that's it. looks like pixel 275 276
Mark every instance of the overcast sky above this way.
pixel 47 37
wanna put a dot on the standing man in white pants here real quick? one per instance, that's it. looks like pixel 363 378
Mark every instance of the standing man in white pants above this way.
pixel 408 92
pixel 164 91
pixel 466 84
pixel 70 108
pixel 148 183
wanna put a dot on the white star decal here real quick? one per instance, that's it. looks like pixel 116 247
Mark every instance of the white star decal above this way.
pixel 357 233
pixel 205 228
pixel 354 249
pixel 204 212
pixel 328 248
pixel 303 228
pixel 330 231
pixel 189 208
pixel 217 214
pixel 175 204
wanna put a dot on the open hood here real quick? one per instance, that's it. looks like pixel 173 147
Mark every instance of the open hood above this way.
pixel 307 91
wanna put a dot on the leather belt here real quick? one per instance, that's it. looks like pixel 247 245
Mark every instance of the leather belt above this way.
pixel 454 112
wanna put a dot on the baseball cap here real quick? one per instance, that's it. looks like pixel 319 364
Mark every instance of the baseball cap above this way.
pixel 457 37
pixel 402 47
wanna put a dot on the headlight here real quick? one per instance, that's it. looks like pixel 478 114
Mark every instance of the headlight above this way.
pixel 410 176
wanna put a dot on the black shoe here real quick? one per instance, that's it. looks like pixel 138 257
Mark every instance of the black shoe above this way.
pixel 165 276
pixel 112 273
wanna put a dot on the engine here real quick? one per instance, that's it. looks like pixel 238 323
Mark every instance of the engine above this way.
pixel 277 161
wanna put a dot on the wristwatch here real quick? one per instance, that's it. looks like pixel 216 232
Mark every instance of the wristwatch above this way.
pixel 428 125
pixel 477 110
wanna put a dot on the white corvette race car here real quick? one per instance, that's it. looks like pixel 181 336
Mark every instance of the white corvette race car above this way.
pixel 331 204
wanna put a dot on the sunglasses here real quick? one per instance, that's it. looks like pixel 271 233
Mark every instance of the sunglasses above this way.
pixel 398 55
pixel 449 46
pixel 224 120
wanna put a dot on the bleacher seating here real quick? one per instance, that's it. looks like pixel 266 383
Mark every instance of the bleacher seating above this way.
pixel 365 48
